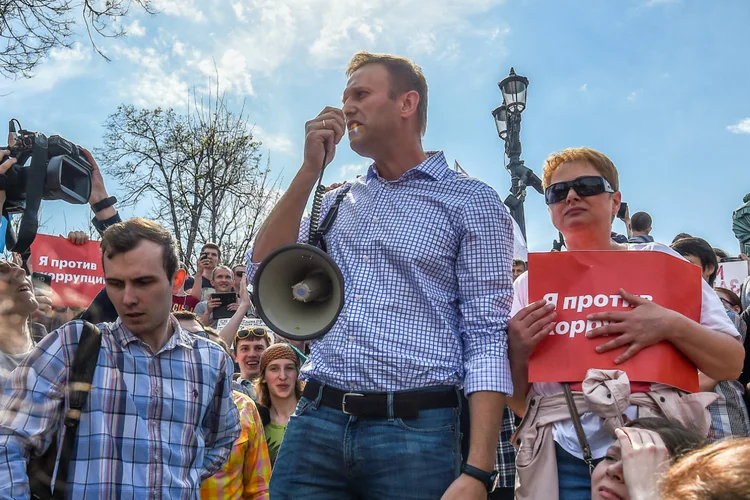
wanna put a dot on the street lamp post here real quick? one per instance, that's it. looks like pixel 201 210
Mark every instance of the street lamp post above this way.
pixel 508 123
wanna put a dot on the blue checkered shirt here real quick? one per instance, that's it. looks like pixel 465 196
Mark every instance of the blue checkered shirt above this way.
pixel 426 261
pixel 154 426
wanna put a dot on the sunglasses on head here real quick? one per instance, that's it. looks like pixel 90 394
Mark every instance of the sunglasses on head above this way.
pixel 589 185
pixel 255 332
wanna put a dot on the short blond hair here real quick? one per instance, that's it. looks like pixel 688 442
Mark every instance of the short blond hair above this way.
pixel 405 77
pixel 598 160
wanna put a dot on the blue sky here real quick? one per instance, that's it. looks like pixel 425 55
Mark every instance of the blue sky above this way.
pixel 660 86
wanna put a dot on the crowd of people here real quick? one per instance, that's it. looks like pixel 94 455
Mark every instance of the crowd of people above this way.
pixel 421 387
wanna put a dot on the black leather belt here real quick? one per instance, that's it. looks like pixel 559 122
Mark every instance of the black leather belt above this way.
pixel 406 404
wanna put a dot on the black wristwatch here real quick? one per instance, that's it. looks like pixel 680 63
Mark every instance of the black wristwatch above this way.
pixel 486 478
pixel 105 203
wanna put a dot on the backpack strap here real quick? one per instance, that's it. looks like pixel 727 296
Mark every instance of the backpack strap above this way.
pixel 80 376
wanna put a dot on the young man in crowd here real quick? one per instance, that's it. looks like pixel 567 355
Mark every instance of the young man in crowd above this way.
pixel 426 258
pixel 640 228
pixel 729 415
pixel 155 388
pixel 519 267
pixel 222 281
pixel 249 345
pixel 201 286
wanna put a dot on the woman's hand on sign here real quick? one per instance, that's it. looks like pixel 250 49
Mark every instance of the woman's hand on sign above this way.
pixel 529 326
pixel 644 325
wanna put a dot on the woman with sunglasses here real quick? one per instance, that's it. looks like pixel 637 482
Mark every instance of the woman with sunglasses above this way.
pixel 582 194
pixel 278 389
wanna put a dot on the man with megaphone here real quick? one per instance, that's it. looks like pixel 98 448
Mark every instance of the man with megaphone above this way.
pixel 414 293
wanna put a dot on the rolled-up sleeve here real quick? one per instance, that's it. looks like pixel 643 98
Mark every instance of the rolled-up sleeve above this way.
pixel 485 284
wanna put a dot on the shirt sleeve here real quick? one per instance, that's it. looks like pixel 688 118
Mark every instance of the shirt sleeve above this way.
pixel 222 422
pixel 520 294
pixel 31 411
pixel 200 308
pixel 483 269
pixel 257 469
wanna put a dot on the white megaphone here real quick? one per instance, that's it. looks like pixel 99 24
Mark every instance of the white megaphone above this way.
pixel 298 291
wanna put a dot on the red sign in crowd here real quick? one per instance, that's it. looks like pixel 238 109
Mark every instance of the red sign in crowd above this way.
pixel 582 283
pixel 76 270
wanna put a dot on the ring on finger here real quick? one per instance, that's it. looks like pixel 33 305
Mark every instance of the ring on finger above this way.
pixel 324 124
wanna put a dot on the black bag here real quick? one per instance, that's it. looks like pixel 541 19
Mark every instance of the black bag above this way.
pixel 80 376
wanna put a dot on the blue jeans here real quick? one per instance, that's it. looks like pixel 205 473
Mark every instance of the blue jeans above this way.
pixel 573 477
pixel 327 454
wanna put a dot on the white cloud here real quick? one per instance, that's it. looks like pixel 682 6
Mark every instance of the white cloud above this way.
pixel 153 84
pixel 743 127
pixel 135 29
pixel 276 143
pixel 239 11
pixel 178 48
pixel 61 64
pixel 232 71
pixel 584 87
pixel 351 170
pixel 179 8
pixel 633 96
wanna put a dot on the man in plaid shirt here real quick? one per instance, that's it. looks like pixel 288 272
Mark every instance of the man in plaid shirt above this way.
pixel 159 418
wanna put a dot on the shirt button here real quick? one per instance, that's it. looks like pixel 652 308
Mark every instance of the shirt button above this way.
pixel 389 186
pixel 365 258
pixel 351 338
pixel 357 298
pixel 375 219
pixel 351 385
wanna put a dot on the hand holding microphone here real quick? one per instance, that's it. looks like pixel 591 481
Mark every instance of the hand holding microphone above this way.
pixel 322 134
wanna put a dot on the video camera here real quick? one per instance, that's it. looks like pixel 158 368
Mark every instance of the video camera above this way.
pixel 58 171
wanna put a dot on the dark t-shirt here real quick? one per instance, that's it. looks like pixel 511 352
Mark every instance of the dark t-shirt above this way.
pixel 205 283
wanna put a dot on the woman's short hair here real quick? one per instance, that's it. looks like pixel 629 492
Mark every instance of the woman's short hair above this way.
pixel 599 161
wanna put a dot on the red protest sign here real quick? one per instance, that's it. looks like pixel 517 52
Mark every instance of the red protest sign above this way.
pixel 582 283
pixel 76 270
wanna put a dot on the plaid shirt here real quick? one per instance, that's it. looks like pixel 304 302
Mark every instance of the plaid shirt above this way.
pixel 248 470
pixel 154 426
pixel 426 261
pixel 505 463
pixel 729 416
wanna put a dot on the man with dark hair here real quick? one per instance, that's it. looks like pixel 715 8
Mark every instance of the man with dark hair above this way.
pixel 640 227
pixel 681 236
pixel 729 415
pixel 155 388
pixel 426 254
pixel 200 286
pixel 700 253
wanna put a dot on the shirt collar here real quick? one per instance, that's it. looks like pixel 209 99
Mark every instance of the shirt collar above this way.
pixel 179 336
pixel 434 167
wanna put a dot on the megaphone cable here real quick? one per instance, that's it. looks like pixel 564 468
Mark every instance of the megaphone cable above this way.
pixel 320 190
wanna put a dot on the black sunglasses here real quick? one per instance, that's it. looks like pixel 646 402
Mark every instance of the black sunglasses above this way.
pixel 255 332
pixel 589 185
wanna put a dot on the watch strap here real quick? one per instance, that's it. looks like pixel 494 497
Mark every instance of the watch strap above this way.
pixel 102 225
pixel 486 478
pixel 105 203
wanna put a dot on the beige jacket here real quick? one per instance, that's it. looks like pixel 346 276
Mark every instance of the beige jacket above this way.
pixel 606 393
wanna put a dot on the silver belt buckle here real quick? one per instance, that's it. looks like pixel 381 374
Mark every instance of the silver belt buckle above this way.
pixel 343 400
